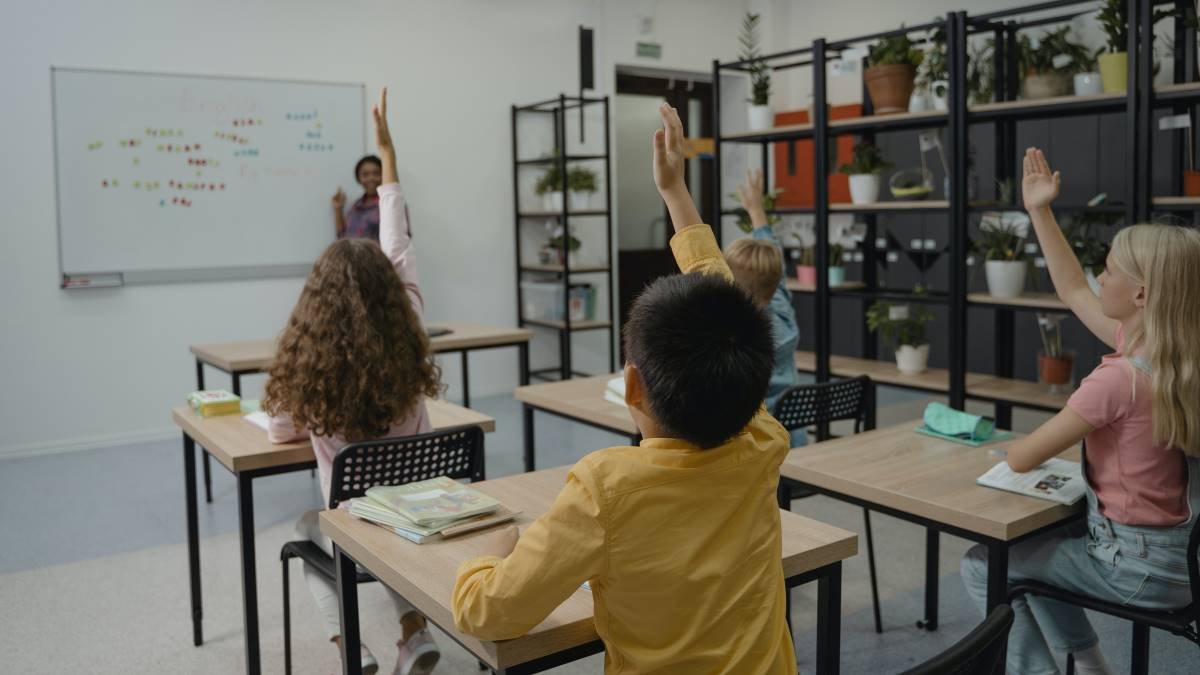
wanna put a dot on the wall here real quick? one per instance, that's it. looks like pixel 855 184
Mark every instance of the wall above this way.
pixel 84 369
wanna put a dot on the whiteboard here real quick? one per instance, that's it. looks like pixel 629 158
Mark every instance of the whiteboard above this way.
pixel 181 177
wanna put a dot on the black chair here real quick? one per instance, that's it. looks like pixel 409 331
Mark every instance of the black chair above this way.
pixel 981 652
pixel 1184 622
pixel 457 453
pixel 817 405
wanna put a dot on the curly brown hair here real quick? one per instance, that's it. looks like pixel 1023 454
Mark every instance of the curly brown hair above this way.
pixel 354 358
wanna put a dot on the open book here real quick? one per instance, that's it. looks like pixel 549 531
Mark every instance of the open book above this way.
pixel 1057 480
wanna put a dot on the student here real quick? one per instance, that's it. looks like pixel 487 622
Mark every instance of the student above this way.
pixel 362 219
pixel 1138 411
pixel 354 364
pixel 678 537
pixel 757 265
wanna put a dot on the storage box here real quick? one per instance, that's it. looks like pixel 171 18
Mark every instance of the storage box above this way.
pixel 543 300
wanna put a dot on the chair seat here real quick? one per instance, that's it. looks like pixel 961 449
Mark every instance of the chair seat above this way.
pixel 1177 621
pixel 319 560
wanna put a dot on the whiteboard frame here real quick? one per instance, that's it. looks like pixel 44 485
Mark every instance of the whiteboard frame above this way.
pixel 79 279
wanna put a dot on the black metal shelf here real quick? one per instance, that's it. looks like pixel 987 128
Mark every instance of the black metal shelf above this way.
pixel 558 108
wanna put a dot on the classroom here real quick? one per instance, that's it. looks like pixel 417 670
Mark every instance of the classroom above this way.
pixel 601 336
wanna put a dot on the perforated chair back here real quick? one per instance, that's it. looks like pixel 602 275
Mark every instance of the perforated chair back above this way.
pixel 812 404
pixel 456 452
pixel 981 652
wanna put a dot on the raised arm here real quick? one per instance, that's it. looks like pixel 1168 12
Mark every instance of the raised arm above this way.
pixel 395 236
pixel 1039 188
pixel 750 194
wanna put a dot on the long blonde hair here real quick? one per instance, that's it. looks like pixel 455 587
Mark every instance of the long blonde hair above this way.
pixel 1165 259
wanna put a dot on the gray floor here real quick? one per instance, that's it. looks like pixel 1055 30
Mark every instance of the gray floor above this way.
pixel 116 515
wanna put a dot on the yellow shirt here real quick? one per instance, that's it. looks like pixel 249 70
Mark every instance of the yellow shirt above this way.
pixel 681 547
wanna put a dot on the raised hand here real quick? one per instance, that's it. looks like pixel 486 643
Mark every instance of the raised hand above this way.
pixel 339 199
pixel 1039 187
pixel 668 152
pixel 750 194
pixel 383 136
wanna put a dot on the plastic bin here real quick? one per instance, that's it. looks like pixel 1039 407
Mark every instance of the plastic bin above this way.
pixel 543 300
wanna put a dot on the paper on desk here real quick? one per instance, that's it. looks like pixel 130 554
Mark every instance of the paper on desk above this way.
pixel 259 419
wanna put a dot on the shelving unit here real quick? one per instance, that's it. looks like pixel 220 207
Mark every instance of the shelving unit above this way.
pixel 565 328
pixel 1137 103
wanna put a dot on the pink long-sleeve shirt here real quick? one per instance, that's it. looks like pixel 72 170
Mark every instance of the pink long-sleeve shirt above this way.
pixel 396 241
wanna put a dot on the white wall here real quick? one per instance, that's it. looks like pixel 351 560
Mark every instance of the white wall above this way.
pixel 86 368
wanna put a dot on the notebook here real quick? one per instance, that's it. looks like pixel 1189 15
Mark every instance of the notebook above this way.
pixel 1057 480
pixel 432 502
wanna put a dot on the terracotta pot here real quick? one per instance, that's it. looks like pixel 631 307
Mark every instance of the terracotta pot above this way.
pixel 1056 372
pixel 1191 183
pixel 890 87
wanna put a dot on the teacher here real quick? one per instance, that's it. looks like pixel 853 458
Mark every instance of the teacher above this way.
pixel 361 220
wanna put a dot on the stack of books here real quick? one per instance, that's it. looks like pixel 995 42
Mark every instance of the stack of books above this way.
pixel 436 508
pixel 213 403
pixel 614 391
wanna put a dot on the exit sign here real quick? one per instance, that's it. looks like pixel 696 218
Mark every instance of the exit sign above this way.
pixel 650 50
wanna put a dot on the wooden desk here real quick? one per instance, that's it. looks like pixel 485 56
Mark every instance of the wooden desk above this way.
pixel 254 356
pixel 245 450
pixel 930 482
pixel 580 400
pixel 425 574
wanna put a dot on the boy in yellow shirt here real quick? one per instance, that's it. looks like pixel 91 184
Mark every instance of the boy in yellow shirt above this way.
pixel 678 537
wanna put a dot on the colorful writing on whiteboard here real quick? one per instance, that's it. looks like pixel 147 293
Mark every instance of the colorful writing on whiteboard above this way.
pixel 302 116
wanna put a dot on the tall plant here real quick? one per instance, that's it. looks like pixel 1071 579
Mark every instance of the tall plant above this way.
pixel 760 73
pixel 1114 20
pixel 908 329
pixel 936 64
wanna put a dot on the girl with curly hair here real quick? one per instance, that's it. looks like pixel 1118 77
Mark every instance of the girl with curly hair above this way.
pixel 354 364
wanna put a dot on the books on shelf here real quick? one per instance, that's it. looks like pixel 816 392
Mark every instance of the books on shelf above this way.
pixel 215 402
pixel 614 391
pixel 438 507
pixel 1057 480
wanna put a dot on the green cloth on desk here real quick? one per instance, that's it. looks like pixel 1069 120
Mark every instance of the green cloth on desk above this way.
pixel 944 421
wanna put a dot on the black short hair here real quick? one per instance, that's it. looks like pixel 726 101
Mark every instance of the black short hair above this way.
pixel 705 353
pixel 369 159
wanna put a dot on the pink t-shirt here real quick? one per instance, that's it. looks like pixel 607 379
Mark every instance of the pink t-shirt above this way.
pixel 1137 481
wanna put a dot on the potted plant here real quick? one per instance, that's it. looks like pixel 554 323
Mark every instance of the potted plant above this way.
pixel 934 73
pixel 891 73
pixel 552 252
pixel 865 170
pixel 1048 65
pixel 1001 244
pixel 837 265
pixel 760 75
pixel 1091 251
pixel 903 328
pixel 1055 365
pixel 768 202
pixel 1114 61
pixel 806 264
pixel 1087 80
pixel 550 188
pixel 581 184
pixel 980 77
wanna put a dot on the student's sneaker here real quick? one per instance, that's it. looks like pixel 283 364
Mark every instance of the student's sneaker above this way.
pixel 369 665
pixel 418 654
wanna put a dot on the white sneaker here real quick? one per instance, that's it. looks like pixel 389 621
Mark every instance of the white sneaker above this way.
pixel 369 665
pixel 418 654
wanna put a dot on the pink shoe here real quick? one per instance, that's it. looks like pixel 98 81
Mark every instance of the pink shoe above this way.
pixel 418 654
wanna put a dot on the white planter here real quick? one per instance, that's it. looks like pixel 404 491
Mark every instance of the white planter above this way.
pixel 1093 282
pixel 761 118
pixel 919 101
pixel 939 95
pixel 552 201
pixel 912 360
pixel 579 201
pixel 1088 84
pixel 864 188
pixel 1005 278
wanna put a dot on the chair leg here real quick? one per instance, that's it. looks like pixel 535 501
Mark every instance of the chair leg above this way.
pixel 871 565
pixel 287 622
pixel 1070 664
pixel 1139 659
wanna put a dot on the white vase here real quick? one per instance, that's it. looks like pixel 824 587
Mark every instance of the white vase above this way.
pixel 579 201
pixel 552 202
pixel 1088 84
pixel 919 100
pixel 864 188
pixel 912 360
pixel 761 118
pixel 939 95
pixel 1005 278
pixel 1093 282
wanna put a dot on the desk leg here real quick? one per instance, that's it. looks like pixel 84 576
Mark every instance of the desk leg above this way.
pixel 205 458
pixel 829 620
pixel 193 537
pixel 466 381
pixel 249 580
pixel 523 363
pixel 527 412
pixel 347 583
pixel 997 575
pixel 932 556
